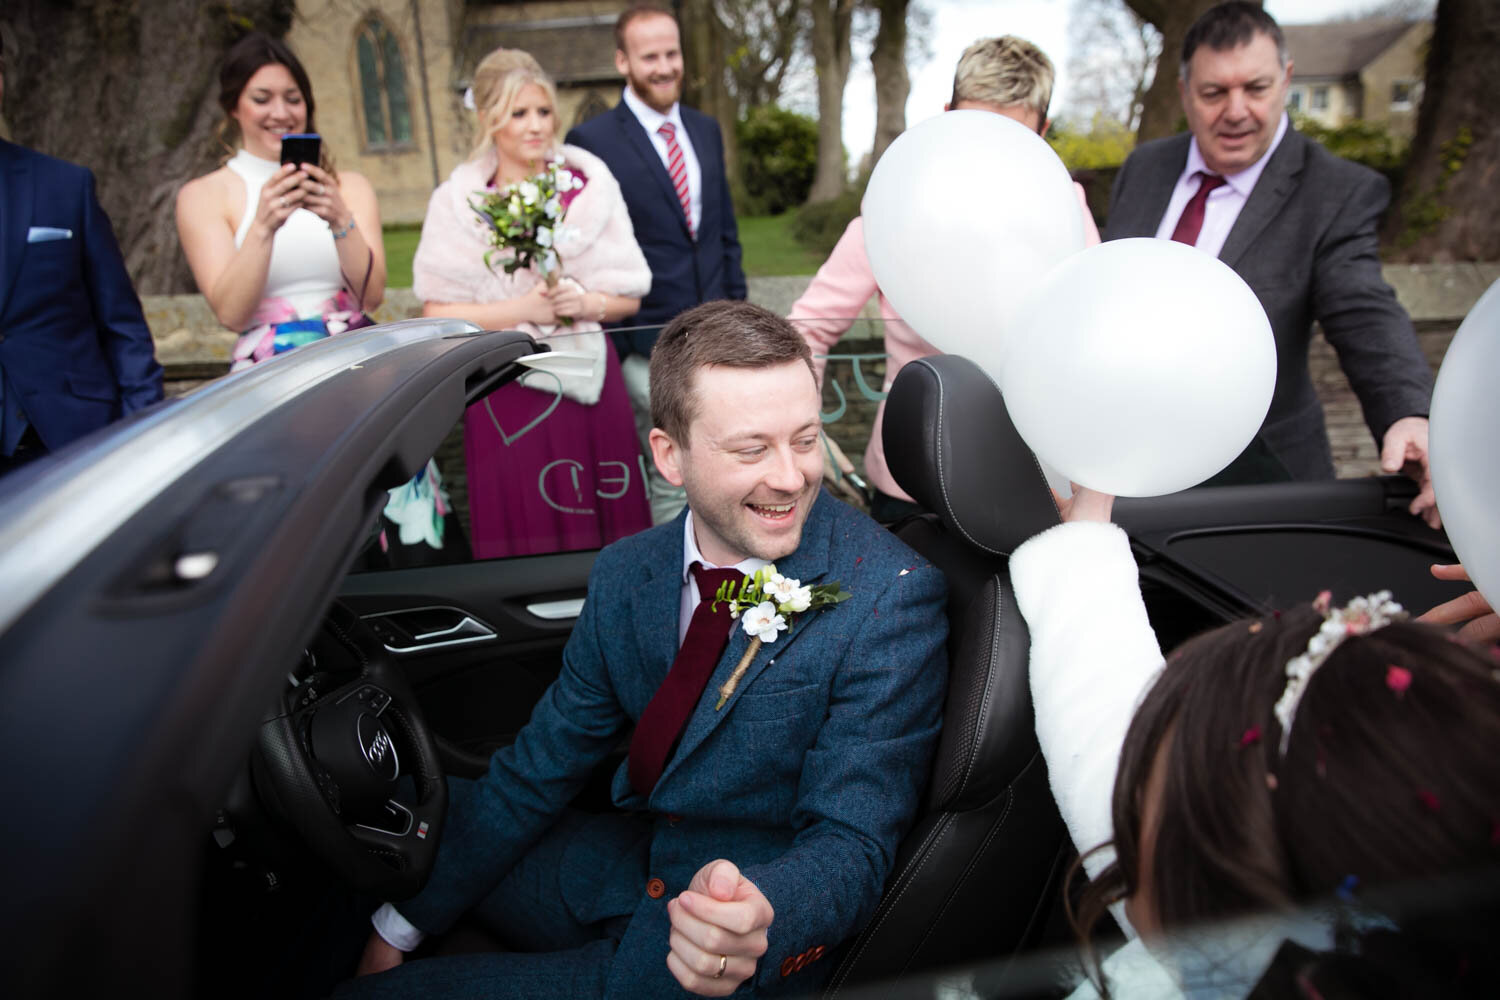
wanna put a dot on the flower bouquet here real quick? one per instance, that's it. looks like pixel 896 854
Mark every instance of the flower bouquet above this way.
pixel 526 218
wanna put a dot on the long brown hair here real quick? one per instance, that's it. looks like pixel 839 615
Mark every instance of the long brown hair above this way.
pixel 1388 775
pixel 243 60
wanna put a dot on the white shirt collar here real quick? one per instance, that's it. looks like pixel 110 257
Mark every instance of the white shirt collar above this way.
pixel 691 554
pixel 649 117
pixel 1243 182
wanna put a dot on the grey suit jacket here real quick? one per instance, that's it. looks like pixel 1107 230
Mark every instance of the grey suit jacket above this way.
pixel 1305 243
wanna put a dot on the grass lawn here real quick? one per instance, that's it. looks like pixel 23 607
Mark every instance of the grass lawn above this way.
pixel 767 242
pixel 770 249
pixel 400 248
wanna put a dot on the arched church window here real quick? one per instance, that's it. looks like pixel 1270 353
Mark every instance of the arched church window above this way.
pixel 382 87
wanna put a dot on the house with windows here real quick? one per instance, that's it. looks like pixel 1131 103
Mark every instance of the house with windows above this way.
pixel 389 78
pixel 1368 69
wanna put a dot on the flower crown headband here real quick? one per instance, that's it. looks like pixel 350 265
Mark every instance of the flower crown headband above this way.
pixel 1361 616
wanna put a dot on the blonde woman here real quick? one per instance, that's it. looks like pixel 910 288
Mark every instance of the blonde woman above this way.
pixel 553 464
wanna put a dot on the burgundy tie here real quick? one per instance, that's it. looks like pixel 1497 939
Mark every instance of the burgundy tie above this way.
pixel 677 167
pixel 667 713
pixel 1192 215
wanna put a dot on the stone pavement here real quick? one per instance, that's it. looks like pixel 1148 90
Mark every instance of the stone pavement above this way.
pixel 194 348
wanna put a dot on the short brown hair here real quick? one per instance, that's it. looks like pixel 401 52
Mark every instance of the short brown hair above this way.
pixel 729 333
pixel 1004 71
pixel 635 13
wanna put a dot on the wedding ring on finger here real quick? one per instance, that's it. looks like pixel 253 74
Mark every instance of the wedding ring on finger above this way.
pixel 723 961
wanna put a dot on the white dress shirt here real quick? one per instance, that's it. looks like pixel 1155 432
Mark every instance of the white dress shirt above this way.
pixel 399 932
pixel 651 120
pixel 1224 203
pixel 690 595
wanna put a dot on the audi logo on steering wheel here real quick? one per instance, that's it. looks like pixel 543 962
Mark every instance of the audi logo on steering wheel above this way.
pixel 378 749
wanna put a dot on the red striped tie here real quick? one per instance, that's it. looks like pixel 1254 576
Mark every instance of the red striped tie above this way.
pixel 677 167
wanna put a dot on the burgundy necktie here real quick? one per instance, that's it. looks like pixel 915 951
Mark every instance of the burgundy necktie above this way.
pixel 677 167
pixel 667 713
pixel 1191 221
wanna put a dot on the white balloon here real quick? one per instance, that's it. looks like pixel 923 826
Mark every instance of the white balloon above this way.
pixel 1462 430
pixel 1139 367
pixel 962 215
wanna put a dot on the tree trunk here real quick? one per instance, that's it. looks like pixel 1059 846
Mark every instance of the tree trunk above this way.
pixel 830 44
pixel 129 90
pixel 703 63
pixel 1161 111
pixel 892 83
pixel 1446 207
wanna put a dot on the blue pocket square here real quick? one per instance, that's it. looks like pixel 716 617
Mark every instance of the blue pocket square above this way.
pixel 44 234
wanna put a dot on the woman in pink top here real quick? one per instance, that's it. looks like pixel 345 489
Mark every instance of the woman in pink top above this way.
pixel 1006 75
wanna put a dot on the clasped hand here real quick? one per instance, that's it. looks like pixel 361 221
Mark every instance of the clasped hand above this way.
pixel 305 185
pixel 719 927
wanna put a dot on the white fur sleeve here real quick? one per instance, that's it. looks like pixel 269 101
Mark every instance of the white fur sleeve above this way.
pixel 1093 656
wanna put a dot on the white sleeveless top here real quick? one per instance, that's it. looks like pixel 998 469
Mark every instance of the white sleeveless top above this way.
pixel 304 261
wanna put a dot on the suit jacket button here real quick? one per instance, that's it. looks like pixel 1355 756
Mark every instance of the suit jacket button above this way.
pixel 656 888
pixel 789 966
pixel 673 820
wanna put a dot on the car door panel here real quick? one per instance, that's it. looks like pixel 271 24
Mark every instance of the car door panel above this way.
pixel 477 694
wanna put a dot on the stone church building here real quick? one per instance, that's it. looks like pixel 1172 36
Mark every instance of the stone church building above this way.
pixel 389 77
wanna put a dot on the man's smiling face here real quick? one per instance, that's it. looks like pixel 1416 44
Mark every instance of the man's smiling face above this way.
pixel 751 465
pixel 1233 99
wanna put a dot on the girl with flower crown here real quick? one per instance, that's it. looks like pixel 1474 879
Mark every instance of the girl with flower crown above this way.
pixel 1319 760
pixel 553 460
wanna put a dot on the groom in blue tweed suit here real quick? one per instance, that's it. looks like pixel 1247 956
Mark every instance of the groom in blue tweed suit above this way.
pixel 767 836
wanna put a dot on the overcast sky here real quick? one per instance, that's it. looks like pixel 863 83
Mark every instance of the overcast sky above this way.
pixel 956 23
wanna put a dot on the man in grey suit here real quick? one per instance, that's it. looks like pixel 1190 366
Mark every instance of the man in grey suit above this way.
pixel 1298 224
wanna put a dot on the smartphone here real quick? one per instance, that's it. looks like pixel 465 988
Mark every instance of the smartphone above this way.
pixel 301 147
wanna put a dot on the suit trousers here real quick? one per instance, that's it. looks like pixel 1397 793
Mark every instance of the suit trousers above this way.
pixel 550 952
pixel 666 500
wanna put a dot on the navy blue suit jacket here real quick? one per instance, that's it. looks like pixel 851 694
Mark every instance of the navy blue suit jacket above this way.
pixel 74 345
pixel 684 271
pixel 807 778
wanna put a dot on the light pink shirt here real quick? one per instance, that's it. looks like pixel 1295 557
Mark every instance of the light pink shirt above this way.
pixel 833 302
pixel 1224 202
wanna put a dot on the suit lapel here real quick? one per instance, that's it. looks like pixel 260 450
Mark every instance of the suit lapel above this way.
pixel 657 599
pixel 645 148
pixel 15 216
pixel 1275 186
pixel 1143 213
pixel 709 170
pixel 809 564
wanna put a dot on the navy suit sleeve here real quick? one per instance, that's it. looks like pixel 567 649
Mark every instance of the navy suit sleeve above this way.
pixel 124 337
pixel 734 272
pixel 862 781
pixel 492 822
pixel 1359 313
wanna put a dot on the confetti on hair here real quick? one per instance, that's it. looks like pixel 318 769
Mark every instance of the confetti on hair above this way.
pixel 1398 679
pixel 1271 781
pixel 1429 799
pixel 1323 602
pixel 1276 614
pixel 1347 888
pixel 1250 737
pixel 1256 627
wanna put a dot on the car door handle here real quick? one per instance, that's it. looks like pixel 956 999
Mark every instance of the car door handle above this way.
pixel 554 611
pixel 421 630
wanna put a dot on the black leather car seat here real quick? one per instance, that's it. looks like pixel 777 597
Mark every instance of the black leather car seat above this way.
pixel 979 873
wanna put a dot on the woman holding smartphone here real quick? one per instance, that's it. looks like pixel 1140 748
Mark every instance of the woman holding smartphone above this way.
pixel 286 253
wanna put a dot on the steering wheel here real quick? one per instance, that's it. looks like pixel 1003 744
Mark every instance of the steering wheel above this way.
pixel 329 759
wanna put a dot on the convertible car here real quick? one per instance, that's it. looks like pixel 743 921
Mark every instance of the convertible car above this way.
pixel 230 700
